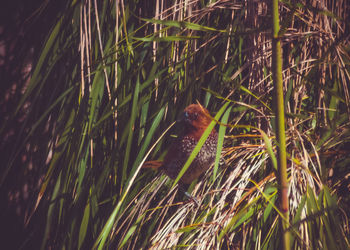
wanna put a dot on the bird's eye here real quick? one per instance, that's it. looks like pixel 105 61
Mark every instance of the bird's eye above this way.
pixel 195 116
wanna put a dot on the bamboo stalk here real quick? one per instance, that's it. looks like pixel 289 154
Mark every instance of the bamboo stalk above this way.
pixel 280 129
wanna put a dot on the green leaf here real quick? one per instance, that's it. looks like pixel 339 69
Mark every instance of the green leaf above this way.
pixel 37 74
pixel 50 213
pixel 269 207
pixel 84 225
pixel 165 38
pixel 133 115
pixel 269 148
pixel 242 215
pixel 131 231
pixel 147 140
pixel 96 97
pixel 183 24
pixel 221 136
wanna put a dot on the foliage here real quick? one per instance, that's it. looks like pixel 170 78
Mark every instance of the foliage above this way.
pixel 112 75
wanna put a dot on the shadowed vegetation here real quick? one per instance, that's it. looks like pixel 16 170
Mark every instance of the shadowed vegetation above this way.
pixel 107 79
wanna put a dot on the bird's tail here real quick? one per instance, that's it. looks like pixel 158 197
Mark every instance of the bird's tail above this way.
pixel 152 164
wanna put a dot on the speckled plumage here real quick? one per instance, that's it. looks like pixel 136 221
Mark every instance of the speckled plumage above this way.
pixel 196 120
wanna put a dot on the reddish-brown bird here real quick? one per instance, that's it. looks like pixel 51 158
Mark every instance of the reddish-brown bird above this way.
pixel 195 120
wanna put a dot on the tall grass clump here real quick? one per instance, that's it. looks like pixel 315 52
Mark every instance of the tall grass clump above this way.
pixel 111 76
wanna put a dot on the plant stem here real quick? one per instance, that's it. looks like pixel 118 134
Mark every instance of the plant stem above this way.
pixel 280 129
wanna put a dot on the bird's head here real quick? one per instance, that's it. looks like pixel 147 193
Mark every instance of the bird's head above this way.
pixel 196 117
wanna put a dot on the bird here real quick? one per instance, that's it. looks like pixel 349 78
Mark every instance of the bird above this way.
pixel 194 121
